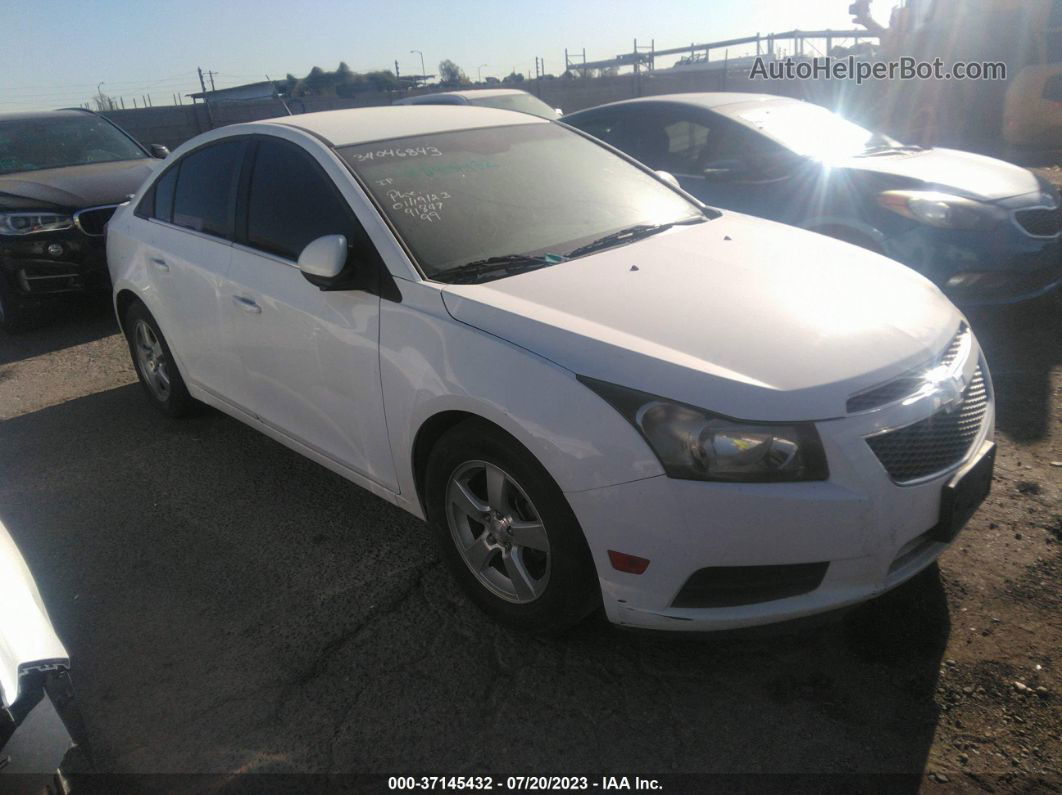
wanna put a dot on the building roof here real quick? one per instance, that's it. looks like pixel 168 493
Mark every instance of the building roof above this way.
pixel 363 125
pixel 264 88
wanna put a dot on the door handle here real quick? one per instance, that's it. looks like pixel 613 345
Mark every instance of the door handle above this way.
pixel 246 304
pixel 160 263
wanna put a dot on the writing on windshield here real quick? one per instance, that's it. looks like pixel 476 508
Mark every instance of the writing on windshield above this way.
pixel 524 189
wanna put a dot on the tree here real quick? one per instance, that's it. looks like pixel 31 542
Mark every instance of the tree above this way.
pixel 103 102
pixel 317 80
pixel 513 77
pixel 452 74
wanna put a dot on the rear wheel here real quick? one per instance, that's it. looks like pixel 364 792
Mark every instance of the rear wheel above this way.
pixel 155 366
pixel 506 531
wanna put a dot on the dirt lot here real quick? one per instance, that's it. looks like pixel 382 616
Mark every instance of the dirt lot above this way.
pixel 230 606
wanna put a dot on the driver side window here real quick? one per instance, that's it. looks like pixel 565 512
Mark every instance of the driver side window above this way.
pixel 292 202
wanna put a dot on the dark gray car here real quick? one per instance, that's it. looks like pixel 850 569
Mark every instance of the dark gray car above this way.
pixel 62 173
pixel 985 231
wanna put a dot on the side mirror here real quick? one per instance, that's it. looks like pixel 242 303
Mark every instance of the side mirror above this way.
pixel 669 178
pixel 323 259
pixel 159 151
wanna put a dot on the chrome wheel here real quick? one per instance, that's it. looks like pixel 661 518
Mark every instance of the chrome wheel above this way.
pixel 151 359
pixel 498 532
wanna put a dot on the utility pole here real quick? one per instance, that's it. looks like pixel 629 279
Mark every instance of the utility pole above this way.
pixel 202 85
pixel 423 71
pixel 211 74
pixel 397 73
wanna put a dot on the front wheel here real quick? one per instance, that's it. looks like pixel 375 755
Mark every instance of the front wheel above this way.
pixel 506 531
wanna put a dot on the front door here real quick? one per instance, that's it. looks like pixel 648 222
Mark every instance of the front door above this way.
pixel 310 358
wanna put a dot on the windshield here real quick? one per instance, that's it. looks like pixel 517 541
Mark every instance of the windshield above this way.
pixel 38 143
pixel 527 189
pixel 811 130
pixel 525 103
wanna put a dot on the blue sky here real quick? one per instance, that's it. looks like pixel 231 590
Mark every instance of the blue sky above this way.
pixel 54 53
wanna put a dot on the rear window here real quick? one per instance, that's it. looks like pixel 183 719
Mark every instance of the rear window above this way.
pixel 206 189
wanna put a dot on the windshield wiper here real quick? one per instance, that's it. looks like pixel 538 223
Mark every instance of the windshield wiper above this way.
pixel 503 265
pixel 630 234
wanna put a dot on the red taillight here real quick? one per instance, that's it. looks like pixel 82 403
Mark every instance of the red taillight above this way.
pixel 632 564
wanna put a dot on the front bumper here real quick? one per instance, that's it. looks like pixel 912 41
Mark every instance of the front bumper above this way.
pixel 42 266
pixel 997 265
pixel 872 533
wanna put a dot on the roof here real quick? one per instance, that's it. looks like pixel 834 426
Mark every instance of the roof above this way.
pixel 362 125
pixel 474 93
pixel 705 99
pixel 42 115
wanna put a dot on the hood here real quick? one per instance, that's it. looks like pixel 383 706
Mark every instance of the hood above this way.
pixel 963 173
pixel 75 187
pixel 739 316
pixel 27 640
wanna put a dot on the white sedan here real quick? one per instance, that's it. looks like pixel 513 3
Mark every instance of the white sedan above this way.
pixel 595 389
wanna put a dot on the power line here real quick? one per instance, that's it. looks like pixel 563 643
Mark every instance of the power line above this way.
pixel 149 81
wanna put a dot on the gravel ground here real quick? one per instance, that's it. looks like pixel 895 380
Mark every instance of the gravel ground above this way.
pixel 230 606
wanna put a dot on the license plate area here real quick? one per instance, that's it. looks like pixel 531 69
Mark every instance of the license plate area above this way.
pixel 963 495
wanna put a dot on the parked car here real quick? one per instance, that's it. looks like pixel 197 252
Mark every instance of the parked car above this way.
pixel 504 98
pixel 594 388
pixel 985 231
pixel 62 173
pixel 41 730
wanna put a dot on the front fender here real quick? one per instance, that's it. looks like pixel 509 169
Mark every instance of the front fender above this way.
pixel 431 363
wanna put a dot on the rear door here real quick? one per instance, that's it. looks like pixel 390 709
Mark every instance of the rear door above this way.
pixel 310 358
pixel 190 211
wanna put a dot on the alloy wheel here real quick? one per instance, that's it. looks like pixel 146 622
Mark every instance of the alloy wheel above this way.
pixel 498 532
pixel 151 359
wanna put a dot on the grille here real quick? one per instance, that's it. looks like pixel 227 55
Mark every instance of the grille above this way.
pixel 93 221
pixel 1040 221
pixel 935 443
pixel 906 384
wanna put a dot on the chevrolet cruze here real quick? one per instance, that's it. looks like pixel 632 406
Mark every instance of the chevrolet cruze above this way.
pixel 595 389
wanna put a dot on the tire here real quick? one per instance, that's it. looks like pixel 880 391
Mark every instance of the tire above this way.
pixel 13 316
pixel 154 364
pixel 544 581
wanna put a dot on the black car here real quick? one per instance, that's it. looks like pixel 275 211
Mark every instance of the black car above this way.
pixel 985 231
pixel 62 173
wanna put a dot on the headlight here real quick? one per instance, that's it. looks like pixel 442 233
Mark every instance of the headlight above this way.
pixel 939 209
pixel 30 223
pixel 694 444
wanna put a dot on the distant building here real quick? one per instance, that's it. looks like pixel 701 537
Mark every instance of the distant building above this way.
pixel 263 90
